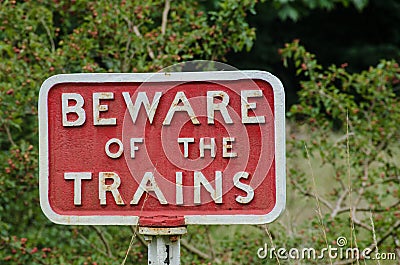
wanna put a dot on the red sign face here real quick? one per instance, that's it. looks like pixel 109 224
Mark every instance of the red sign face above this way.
pixel 204 147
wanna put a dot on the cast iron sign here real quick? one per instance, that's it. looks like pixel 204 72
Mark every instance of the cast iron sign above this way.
pixel 200 147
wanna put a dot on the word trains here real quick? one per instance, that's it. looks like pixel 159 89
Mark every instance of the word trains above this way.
pixel 149 184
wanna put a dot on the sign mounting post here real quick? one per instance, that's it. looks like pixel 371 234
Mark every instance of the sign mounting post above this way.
pixel 162 150
pixel 163 244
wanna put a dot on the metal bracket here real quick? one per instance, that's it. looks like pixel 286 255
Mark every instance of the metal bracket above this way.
pixel 163 244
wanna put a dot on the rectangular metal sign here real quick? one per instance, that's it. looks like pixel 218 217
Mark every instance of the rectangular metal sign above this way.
pixel 206 147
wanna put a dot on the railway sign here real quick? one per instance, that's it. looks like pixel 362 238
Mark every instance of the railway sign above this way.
pixel 187 147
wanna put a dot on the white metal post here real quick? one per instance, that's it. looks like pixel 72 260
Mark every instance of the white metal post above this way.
pixel 163 244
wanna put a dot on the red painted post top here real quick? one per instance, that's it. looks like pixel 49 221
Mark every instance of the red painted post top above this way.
pixel 162 221
pixel 162 149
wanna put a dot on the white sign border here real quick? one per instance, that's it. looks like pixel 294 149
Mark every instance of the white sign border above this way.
pixel 280 157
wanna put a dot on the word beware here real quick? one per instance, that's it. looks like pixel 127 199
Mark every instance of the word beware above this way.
pixel 180 103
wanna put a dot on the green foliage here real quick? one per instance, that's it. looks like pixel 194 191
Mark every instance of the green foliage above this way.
pixel 291 9
pixel 351 127
pixel 338 35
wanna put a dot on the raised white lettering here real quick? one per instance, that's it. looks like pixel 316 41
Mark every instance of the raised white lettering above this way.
pixel 179 188
pixel 142 99
pixel 113 188
pixel 148 184
pixel 244 187
pixel 203 146
pixel 97 108
pixel 77 109
pixel 77 177
pixel 200 180
pixel 185 142
pixel 246 106
pixel 180 97
pixel 226 146
pixel 221 107
pixel 134 147
pixel 120 148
